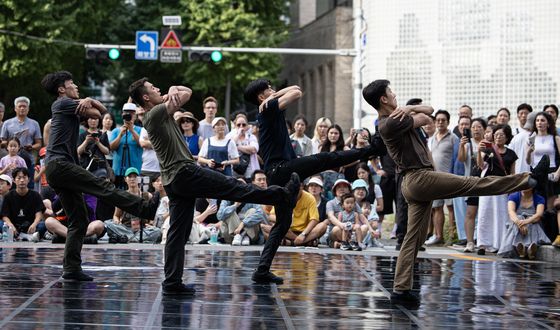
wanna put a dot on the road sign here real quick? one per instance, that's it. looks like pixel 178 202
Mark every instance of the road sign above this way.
pixel 171 41
pixel 146 45
pixel 171 20
pixel 167 55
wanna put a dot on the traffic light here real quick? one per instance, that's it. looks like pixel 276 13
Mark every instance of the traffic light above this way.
pixel 102 55
pixel 205 56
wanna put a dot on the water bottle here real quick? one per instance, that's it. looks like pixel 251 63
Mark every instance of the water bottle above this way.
pixel 213 235
pixel 7 234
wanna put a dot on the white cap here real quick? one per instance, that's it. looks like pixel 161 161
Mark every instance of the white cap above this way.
pixel 218 119
pixel 7 178
pixel 129 107
pixel 316 181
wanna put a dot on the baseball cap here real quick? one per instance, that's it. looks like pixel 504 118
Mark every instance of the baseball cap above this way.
pixel 7 178
pixel 359 183
pixel 218 119
pixel 341 181
pixel 316 181
pixel 129 107
pixel 131 170
pixel 530 120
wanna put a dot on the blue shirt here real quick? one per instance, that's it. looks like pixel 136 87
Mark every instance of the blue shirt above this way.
pixel 516 198
pixel 274 139
pixel 133 158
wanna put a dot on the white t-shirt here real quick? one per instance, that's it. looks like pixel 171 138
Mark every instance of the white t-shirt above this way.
pixel 232 148
pixel 150 162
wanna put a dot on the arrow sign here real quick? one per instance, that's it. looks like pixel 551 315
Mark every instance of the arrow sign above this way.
pixel 146 45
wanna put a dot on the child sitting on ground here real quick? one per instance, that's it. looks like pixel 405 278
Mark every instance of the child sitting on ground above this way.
pixel 354 223
pixel 372 237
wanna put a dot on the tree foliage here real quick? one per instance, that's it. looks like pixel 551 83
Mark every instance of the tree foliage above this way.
pixel 62 27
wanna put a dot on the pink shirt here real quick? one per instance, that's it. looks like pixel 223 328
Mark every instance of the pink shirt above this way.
pixel 7 160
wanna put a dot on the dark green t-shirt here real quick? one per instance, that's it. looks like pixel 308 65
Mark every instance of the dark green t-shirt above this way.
pixel 168 142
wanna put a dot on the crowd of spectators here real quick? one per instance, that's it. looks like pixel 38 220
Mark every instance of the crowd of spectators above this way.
pixel 341 208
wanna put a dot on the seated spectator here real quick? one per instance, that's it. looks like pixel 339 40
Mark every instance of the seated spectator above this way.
pixel 340 188
pixel 127 225
pixel 374 225
pixel 5 187
pixel 240 223
pixel 57 224
pixel 11 160
pixel 524 233
pixel 315 188
pixel 360 189
pixel 218 152
pixel 353 222
pixel 204 221
pixel 162 214
pixel 41 178
pixel 22 209
pixel 306 228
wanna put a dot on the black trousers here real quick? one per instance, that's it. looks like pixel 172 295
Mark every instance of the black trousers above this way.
pixel 401 212
pixel 194 181
pixel 305 167
pixel 70 181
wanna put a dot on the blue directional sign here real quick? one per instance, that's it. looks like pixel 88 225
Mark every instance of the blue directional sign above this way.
pixel 147 45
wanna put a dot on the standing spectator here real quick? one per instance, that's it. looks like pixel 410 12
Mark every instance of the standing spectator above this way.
pixel 459 203
pixel 333 142
pixel 189 126
pixel 502 116
pixel 108 124
pixel 385 169
pixel 300 125
pixel 496 160
pixel 520 143
pixel 464 111
pixel 441 145
pixel 26 130
pixel 11 160
pixel 320 133
pixel 124 142
pixel 93 146
pixel 546 142
pixel 552 110
pixel 468 150
pixel 22 209
pixel 210 108
pixel 3 151
pixel 217 152
pixel 247 147
pixel 524 232
pixel 361 140
pixel 523 111
pixel 150 163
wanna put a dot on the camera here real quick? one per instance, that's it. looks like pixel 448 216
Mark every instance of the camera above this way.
pixel 467 133
pixel 127 116
pixel 94 134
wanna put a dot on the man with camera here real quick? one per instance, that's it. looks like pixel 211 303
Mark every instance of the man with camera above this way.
pixel 125 142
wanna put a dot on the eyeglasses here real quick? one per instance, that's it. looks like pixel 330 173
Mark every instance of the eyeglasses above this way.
pixel 186 121
pixel 241 125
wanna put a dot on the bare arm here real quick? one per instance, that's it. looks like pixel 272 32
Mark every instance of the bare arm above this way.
pixel 177 97
pixel 421 119
pixel 462 155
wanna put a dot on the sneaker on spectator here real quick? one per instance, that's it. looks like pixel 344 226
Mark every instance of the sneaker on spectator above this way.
pixel 35 237
pixel 481 251
pixel 24 237
pixel 246 241
pixel 345 246
pixel 48 236
pixel 469 248
pixel 236 240
pixel 433 240
pixel 460 243
pixel 532 251
pixel 556 241
pixel 376 243
pixel 491 250
pixel 355 246
pixel 91 239
pixel 520 250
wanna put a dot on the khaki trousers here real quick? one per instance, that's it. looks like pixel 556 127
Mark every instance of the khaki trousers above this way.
pixel 420 187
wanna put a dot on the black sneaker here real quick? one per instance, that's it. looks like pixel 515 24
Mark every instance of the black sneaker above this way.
pixel 292 188
pixel 407 298
pixel 179 290
pixel 266 277
pixel 58 239
pixel 345 246
pixel 481 251
pixel 78 276
pixel 422 248
pixel 355 246
pixel 91 239
pixel 540 173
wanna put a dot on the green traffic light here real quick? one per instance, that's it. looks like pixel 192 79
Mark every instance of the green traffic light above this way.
pixel 216 56
pixel 114 53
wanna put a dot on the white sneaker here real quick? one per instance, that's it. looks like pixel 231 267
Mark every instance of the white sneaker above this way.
pixel 377 243
pixel 469 248
pixel 432 240
pixel 246 241
pixel 236 240
pixel 35 237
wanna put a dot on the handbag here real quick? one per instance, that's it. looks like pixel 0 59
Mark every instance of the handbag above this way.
pixel 244 160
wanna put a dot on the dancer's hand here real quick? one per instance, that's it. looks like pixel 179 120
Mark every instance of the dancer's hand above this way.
pixel 83 106
pixel 400 112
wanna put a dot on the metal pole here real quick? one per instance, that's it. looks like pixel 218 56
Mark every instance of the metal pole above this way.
pixel 227 107
pixel 357 65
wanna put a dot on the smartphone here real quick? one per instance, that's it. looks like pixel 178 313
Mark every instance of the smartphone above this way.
pixel 467 133
pixel 488 145
pixel 532 138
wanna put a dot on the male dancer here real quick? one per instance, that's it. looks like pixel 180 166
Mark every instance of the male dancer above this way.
pixel 280 159
pixel 184 180
pixel 421 184
pixel 69 179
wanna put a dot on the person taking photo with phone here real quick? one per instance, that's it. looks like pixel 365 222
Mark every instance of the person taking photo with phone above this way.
pixel 93 147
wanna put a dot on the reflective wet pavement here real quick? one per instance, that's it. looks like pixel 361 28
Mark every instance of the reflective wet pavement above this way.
pixel 321 290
